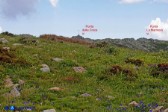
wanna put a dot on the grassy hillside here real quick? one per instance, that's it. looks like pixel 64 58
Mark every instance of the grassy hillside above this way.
pixel 109 87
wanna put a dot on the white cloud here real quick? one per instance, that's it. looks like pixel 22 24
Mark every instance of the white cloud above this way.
pixel 54 2
pixel 0 29
pixel 130 1
pixel 14 8
pixel 165 1
pixel 138 1
pixel 160 29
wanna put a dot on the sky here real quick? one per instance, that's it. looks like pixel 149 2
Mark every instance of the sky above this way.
pixel 111 18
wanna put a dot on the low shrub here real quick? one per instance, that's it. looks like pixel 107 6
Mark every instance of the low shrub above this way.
pixel 68 63
pixel 9 57
pixel 136 62
pixel 99 45
pixel 29 41
pixel 128 73
pixel 115 69
pixel 62 39
pixel 163 67
pixel 160 70
pixel 111 50
pixel 8 34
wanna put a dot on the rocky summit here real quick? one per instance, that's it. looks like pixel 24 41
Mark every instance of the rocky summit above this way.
pixel 144 44
pixel 140 44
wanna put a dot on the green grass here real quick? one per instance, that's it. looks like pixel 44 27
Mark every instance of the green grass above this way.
pixel 96 61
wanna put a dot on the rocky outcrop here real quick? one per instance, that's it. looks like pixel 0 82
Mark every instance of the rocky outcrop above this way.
pixel 139 44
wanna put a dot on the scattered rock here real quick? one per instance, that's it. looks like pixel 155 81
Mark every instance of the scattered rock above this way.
pixel 17 44
pixel 140 94
pixel 15 88
pixel 8 82
pixel 134 103
pixel 21 82
pixel 136 68
pixel 166 110
pixel 110 97
pixel 3 41
pixel 98 99
pixel 7 49
pixel 45 68
pixel 86 95
pixel 57 59
pixel 56 89
pixel 158 109
pixel 79 69
pixel 14 92
pixel 29 109
pixel 74 51
pixel 49 110
pixel 16 85
pixel 35 55
pixel 73 97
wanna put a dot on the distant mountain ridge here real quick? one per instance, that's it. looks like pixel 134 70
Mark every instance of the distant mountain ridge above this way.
pixel 139 44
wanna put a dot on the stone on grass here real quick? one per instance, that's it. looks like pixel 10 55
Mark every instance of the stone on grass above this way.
pixel 98 99
pixel 49 110
pixel 57 59
pixel 110 97
pixel 15 88
pixel 158 109
pixel 56 89
pixel 8 82
pixel 15 92
pixel 140 94
pixel 6 49
pixel 79 69
pixel 17 44
pixel 45 68
pixel 166 110
pixel 16 85
pixel 74 51
pixel 3 41
pixel 35 55
pixel 73 97
pixel 21 82
pixel 86 95
pixel 134 103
